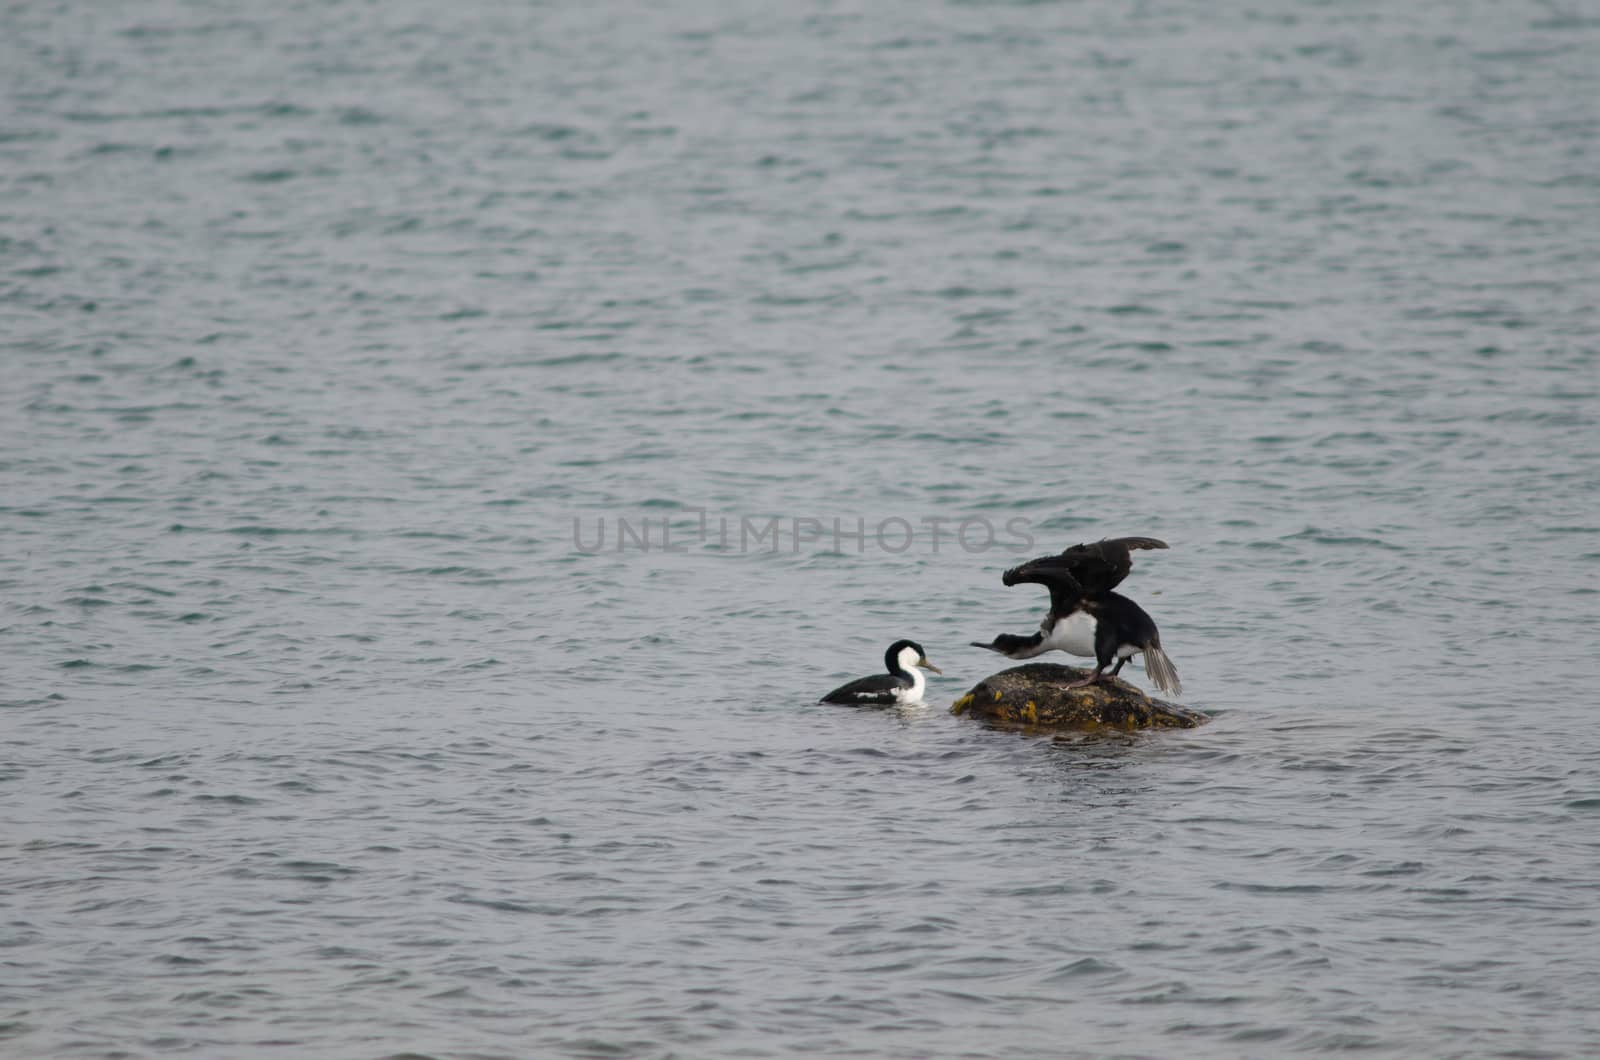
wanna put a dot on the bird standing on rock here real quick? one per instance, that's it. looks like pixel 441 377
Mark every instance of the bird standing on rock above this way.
pixel 1086 618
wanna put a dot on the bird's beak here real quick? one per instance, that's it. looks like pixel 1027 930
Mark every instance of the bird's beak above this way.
pixel 926 665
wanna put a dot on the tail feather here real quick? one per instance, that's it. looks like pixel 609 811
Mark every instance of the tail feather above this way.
pixel 1161 670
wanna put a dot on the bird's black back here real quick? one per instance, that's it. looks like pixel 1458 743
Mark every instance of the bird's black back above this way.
pixel 864 691
pixel 1123 619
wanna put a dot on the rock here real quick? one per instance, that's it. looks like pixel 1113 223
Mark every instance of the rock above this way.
pixel 1037 694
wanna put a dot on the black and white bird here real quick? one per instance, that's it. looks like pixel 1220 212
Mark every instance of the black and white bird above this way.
pixel 1086 618
pixel 905 660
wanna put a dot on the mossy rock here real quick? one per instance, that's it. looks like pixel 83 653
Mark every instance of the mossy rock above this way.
pixel 1037 695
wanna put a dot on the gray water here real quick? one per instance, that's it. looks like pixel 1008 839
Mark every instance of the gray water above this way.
pixel 333 330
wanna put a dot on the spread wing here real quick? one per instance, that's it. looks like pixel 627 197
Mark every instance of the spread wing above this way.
pixel 1096 567
pixel 866 691
pixel 1066 592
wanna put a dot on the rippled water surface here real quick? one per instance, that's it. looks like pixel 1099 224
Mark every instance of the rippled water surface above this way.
pixel 344 342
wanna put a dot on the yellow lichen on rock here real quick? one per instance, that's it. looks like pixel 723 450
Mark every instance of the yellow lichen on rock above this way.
pixel 1049 696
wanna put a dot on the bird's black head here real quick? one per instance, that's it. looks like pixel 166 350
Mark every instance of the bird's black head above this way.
pixel 904 654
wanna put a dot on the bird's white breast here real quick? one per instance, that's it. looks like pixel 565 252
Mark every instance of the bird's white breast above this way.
pixel 914 693
pixel 1073 635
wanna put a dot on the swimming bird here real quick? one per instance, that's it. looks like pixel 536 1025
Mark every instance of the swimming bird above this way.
pixel 902 684
pixel 1086 618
